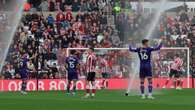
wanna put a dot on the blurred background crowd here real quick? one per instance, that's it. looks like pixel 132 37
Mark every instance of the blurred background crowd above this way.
pixel 49 27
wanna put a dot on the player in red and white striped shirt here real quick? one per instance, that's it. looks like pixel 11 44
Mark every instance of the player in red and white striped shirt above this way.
pixel 91 68
pixel 104 71
pixel 175 72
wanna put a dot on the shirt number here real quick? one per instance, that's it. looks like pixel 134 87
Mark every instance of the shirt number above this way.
pixel 144 56
pixel 71 64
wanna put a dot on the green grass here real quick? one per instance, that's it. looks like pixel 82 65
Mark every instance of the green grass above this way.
pixel 105 100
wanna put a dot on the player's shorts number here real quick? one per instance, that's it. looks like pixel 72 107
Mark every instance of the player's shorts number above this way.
pixel 144 56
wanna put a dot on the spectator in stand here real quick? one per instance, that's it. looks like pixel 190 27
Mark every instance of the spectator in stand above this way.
pixel 51 5
pixel 193 20
pixel 44 5
pixel 32 69
pixel 76 6
pixel 50 20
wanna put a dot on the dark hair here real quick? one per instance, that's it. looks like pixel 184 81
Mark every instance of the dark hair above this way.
pixel 92 49
pixel 177 55
pixel 144 41
pixel 72 52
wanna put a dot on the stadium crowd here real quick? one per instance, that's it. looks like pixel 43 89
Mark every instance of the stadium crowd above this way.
pixel 176 30
pixel 76 5
pixel 45 36
pixel 51 34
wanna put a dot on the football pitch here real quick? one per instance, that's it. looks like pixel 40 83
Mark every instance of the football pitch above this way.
pixel 104 100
